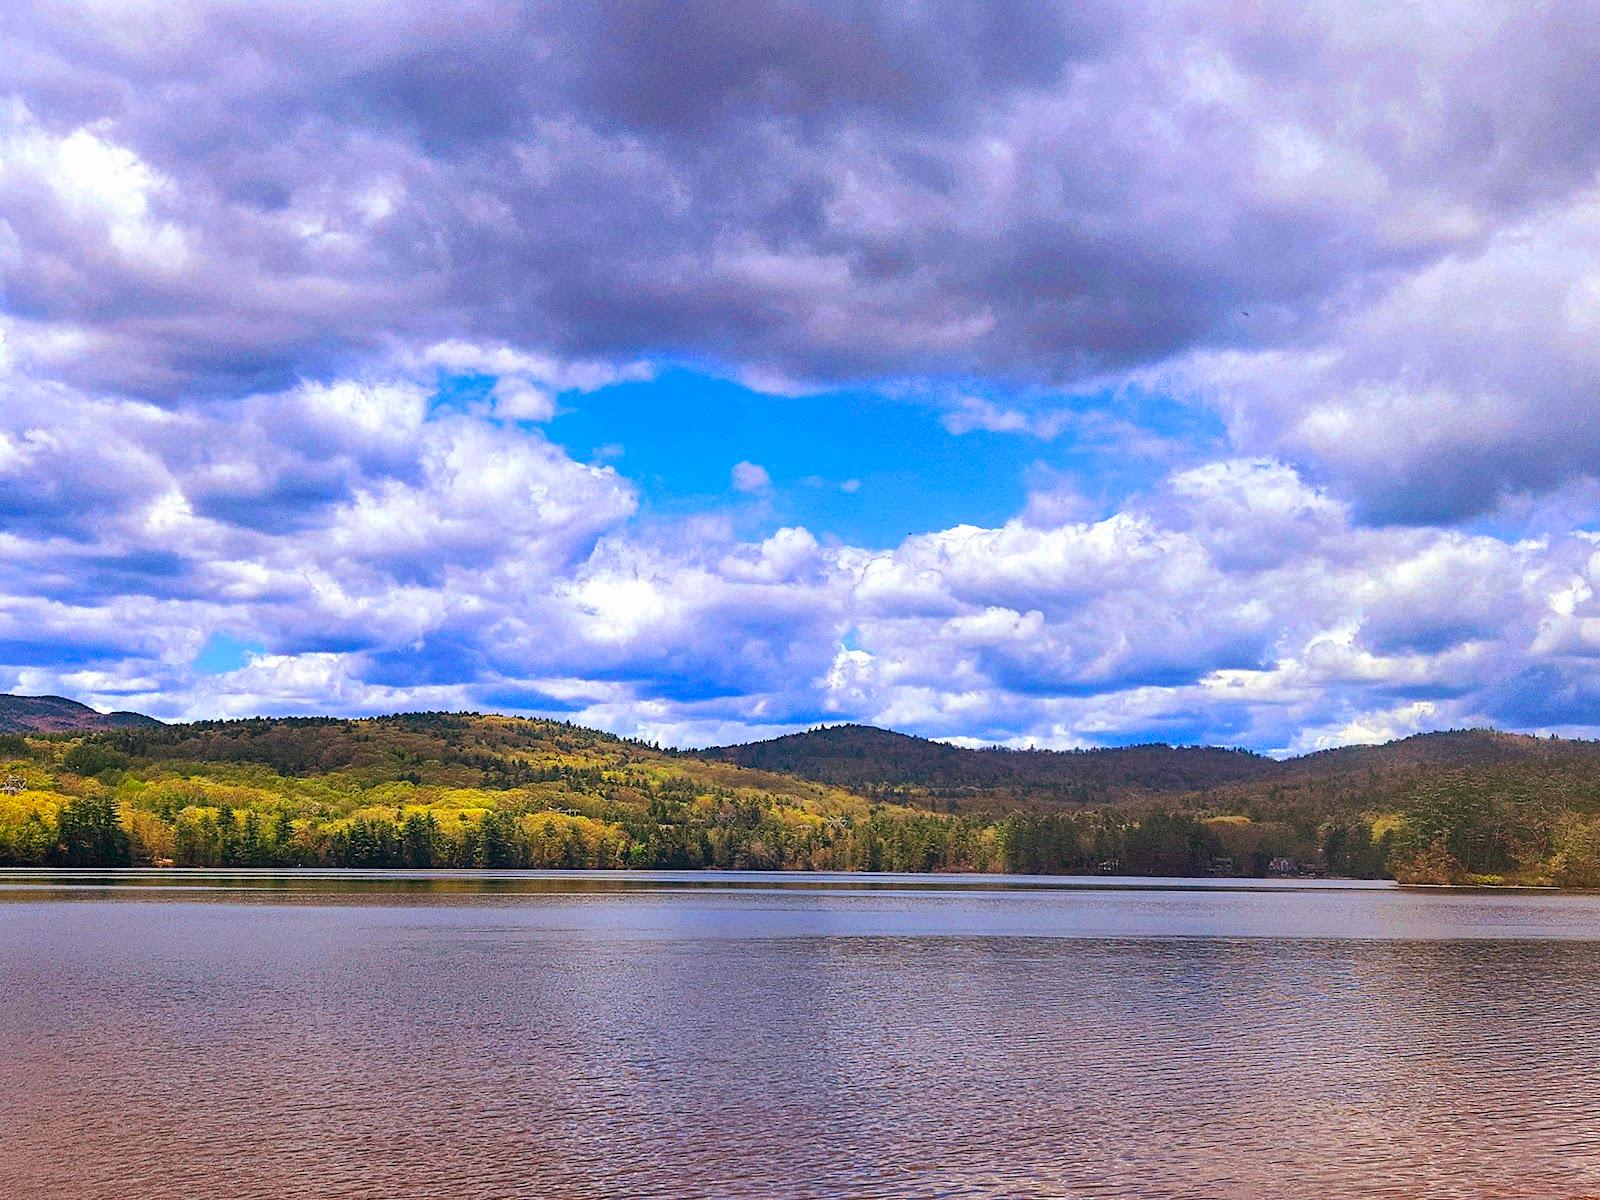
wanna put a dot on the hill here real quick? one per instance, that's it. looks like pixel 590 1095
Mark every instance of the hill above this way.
pixel 439 790
pixel 467 790
pixel 1445 748
pixel 57 714
pixel 892 764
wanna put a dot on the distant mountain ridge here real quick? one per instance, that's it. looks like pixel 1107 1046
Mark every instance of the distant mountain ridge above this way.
pixel 867 758
pixel 902 768
pixel 57 714
pixel 864 756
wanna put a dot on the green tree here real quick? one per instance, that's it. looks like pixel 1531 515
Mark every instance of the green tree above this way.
pixel 89 833
pixel 497 832
pixel 419 839
pixel 93 758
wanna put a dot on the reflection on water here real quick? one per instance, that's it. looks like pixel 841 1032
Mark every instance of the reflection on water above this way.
pixel 617 1036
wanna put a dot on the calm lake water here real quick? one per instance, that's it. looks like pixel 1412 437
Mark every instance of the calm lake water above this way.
pixel 385 1035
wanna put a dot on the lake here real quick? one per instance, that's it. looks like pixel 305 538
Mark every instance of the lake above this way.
pixel 324 1034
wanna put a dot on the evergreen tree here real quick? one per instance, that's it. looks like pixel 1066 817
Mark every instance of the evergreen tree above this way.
pixel 89 833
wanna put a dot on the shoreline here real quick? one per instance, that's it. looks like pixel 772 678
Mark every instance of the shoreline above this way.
pixel 931 880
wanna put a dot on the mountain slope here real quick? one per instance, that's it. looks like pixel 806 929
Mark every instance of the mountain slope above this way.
pixel 57 714
pixel 1446 748
pixel 465 790
pixel 879 761
pixel 861 756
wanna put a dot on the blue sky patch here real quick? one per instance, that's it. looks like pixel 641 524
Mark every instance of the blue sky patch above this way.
pixel 223 652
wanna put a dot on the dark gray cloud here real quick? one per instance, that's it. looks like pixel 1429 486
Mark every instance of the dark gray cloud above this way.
pixel 823 190
pixel 683 69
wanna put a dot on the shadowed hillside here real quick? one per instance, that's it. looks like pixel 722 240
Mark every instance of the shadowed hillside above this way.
pixel 1447 748
pixel 878 760
pixel 899 766
pixel 57 714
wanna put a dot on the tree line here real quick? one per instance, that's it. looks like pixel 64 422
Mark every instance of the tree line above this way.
pixel 458 791
pixel 94 830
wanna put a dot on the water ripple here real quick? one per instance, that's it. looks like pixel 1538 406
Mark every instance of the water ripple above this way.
pixel 463 1050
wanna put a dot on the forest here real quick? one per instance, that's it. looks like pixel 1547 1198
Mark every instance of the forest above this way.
pixel 468 791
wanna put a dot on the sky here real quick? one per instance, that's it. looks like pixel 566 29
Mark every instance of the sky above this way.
pixel 1021 373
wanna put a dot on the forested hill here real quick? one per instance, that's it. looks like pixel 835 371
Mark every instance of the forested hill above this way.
pixel 437 790
pixel 897 765
pixel 57 714
pixel 1451 748
pixel 460 751
pixel 879 760
pixel 463 790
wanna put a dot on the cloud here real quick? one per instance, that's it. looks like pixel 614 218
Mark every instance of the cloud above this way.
pixel 518 400
pixel 750 477
pixel 973 413
pixel 1456 389
pixel 1372 728
pixel 1036 192
pixel 246 250
pixel 848 486
pixel 1234 603
pixel 419 556
pixel 524 369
